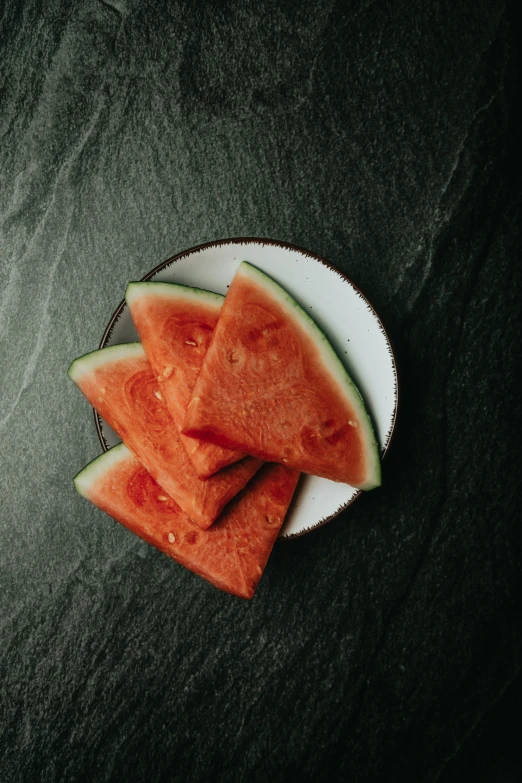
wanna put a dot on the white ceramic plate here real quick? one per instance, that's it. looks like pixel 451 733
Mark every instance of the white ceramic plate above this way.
pixel 340 310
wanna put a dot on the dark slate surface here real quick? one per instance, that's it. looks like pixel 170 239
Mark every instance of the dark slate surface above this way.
pixel 382 136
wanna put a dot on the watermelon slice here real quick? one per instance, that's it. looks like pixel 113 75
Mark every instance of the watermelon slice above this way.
pixel 232 554
pixel 119 382
pixel 271 385
pixel 175 324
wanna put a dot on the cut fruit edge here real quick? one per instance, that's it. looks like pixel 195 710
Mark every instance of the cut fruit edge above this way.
pixel 203 501
pixel 246 566
pixel 331 362
pixel 207 458
pixel 94 359
pixel 98 467
pixel 135 290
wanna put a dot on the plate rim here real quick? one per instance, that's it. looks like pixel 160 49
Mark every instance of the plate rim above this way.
pixel 116 315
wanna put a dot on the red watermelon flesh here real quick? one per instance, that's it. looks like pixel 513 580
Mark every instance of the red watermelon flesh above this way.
pixel 175 324
pixel 272 386
pixel 232 554
pixel 119 382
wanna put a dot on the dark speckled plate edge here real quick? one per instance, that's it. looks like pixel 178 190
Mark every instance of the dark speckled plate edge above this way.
pixel 286 245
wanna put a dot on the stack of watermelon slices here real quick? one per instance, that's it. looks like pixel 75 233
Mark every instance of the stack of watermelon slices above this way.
pixel 217 387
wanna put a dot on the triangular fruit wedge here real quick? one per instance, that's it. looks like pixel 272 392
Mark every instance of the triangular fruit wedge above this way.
pixel 271 385
pixel 175 324
pixel 232 554
pixel 119 382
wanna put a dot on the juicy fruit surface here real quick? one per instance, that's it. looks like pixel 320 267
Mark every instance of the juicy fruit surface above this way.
pixel 270 385
pixel 232 554
pixel 126 393
pixel 175 327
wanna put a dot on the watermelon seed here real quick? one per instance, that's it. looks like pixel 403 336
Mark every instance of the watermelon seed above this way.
pixel 190 342
pixel 158 395
pixel 162 498
pixel 172 538
pixel 352 423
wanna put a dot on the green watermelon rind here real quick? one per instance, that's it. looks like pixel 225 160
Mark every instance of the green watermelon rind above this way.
pixel 103 356
pixel 331 360
pixel 98 467
pixel 138 290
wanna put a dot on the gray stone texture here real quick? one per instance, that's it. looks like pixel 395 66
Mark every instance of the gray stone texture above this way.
pixel 383 136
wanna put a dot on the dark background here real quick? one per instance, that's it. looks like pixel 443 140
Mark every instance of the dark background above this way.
pixel 383 136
